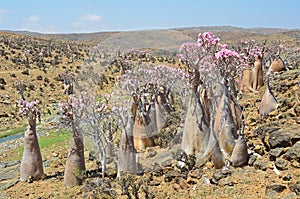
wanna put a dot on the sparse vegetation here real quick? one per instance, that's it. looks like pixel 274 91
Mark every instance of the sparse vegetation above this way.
pixel 131 84
pixel 14 131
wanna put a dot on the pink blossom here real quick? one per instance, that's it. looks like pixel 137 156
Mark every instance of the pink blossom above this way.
pixel 225 53
pixel 222 45
pixel 207 38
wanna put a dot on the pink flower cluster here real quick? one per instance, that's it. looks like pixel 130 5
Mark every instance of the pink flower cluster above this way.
pixel 249 51
pixel 188 47
pixel 75 106
pixel 213 59
pixel 225 53
pixel 135 80
pixel 190 52
pixel 255 51
pixel 207 39
pixel 28 109
pixel 67 110
pixel 207 64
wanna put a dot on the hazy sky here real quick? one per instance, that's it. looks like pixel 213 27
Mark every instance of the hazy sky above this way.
pixel 66 16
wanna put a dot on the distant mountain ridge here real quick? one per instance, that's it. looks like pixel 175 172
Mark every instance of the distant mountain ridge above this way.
pixel 166 39
pixel 85 36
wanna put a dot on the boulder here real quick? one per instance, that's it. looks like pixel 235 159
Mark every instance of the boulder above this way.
pixel 293 153
pixel 279 139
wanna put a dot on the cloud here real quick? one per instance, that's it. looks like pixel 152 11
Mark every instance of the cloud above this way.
pixel 33 19
pixel 2 13
pixel 32 23
pixel 88 23
pixel 77 24
pixel 90 17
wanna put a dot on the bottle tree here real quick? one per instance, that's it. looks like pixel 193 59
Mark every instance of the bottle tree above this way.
pixel 75 165
pixel 141 101
pixel 209 124
pixel 31 167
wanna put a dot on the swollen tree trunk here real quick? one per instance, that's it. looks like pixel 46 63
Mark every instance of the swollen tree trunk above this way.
pixel 276 66
pixel 240 156
pixel 75 165
pixel 257 74
pixel 196 129
pixel 31 164
pixel 268 102
pixel 162 109
pixel 127 160
pixel 252 79
pixel 143 129
pixel 224 126
pixel 245 84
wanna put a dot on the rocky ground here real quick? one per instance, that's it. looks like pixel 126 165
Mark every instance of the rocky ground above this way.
pixel 273 142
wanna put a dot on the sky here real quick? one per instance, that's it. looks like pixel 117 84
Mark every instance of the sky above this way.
pixel 85 16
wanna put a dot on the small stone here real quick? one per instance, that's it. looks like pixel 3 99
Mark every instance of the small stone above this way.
pixel 295 187
pixel 227 183
pixel 290 196
pixel 2 81
pixel 259 149
pixel 4 115
pixel 111 173
pixel 261 165
pixel 25 72
pixel 155 183
pixel 295 164
pixel 218 175
pixel 46 80
pixel 251 160
pixel 46 164
pixel 287 177
pixel 295 134
pixel 226 172
pixel 281 164
pixel 168 163
pixel 30 179
pixel 195 174
pixel 157 170
pixel 151 154
pixel 190 180
pixel 275 153
pixel 171 175
pixel 278 188
pixel 183 184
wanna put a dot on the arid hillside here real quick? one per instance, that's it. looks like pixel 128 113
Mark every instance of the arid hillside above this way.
pixel 38 60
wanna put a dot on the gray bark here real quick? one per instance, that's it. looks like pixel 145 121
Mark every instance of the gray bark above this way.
pixel 31 163
pixel 75 165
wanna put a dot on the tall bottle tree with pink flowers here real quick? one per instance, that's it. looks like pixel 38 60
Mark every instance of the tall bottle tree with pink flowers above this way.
pixel 31 167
